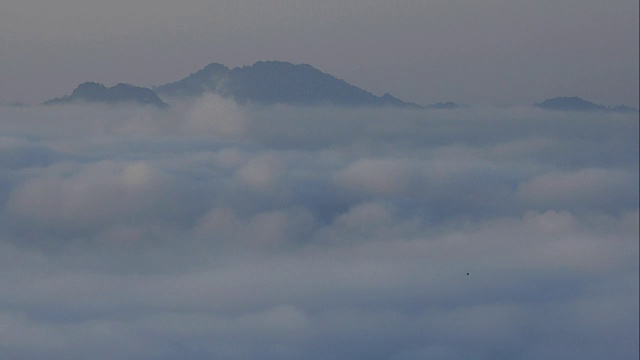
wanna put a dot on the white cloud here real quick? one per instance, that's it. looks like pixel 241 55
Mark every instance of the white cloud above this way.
pixel 217 117
pixel 377 176
pixel 262 172
pixel 89 195
pixel 589 186
pixel 175 235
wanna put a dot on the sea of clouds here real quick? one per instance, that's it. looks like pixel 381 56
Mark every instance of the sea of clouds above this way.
pixel 217 231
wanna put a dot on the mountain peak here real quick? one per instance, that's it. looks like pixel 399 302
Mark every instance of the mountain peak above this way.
pixel 574 103
pixel 264 82
pixel 570 103
pixel 274 82
pixel 92 92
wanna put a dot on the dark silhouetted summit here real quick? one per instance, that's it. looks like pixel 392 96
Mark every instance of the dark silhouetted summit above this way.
pixel 574 103
pixel 92 92
pixel 276 82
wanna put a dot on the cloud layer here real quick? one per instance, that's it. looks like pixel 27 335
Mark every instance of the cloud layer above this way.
pixel 218 231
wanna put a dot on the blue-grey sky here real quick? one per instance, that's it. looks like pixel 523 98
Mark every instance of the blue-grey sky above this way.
pixel 483 51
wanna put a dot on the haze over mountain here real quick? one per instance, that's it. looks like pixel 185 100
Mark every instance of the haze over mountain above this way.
pixel 574 103
pixel 122 93
pixel 276 82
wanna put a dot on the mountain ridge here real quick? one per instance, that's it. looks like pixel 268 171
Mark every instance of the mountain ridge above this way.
pixel 276 82
pixel 93 92
pixel 574 103
pixel 279 82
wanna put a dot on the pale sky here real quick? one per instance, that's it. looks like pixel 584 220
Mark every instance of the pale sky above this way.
pixel 470 51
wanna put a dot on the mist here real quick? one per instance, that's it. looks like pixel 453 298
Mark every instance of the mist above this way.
pixel 213 230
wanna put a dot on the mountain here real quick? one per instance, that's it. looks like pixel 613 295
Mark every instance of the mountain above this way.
pixel 92 92
pixel 574 103
pixel 276 82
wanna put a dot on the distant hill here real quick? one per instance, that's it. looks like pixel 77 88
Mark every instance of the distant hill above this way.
pixel 276 82
pixel 574 103
pixel 92 92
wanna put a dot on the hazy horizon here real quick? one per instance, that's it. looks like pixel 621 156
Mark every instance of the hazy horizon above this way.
pixel 477 52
